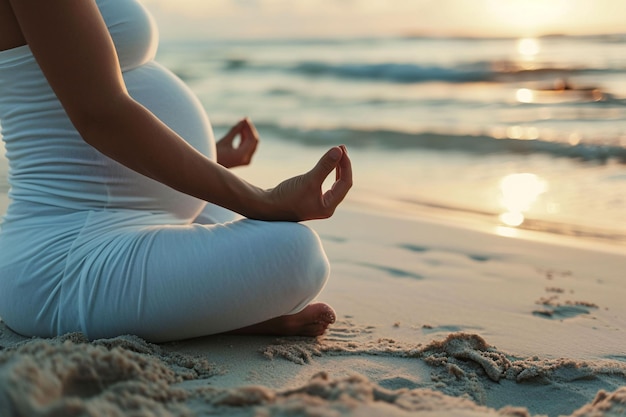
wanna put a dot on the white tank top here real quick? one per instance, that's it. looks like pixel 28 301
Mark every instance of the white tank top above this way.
pixel 51 167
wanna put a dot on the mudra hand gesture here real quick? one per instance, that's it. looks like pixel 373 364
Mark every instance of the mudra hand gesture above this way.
pixel 230 156
pixel 302 197
pixel 298 198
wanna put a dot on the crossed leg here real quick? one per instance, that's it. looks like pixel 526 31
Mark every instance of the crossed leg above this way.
pixel 313 320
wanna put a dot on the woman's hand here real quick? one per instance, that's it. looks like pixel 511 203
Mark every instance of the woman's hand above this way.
pixel 230 156
pixel 302 198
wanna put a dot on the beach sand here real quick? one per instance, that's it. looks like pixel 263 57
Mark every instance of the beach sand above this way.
pixel 433 320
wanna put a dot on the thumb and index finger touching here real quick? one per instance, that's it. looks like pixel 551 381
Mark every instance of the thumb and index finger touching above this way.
pixel 233 132
pixel 334 159
pixel 242 126
pixel 248 137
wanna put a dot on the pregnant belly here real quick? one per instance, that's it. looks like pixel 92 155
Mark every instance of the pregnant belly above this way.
pixel 168 98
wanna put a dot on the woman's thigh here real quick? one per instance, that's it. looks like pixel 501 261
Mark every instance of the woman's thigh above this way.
pixel 174 282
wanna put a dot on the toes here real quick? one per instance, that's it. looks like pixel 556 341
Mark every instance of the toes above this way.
pixel 313 320
pixel 329 316
pixel 322 313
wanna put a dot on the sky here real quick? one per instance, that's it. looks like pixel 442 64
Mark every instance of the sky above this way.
pixel 233 19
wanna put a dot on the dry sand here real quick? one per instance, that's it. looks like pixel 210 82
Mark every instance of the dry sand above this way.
pixel 434 320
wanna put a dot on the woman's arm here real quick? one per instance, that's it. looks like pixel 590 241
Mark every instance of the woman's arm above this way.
pixel 73 47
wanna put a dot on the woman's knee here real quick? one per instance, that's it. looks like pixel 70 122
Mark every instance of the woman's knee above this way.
pixel 311 263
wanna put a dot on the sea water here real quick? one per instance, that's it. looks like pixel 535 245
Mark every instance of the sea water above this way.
pixel 526 133
pixel 522 133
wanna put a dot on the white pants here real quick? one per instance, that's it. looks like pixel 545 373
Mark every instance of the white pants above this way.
pixel 108 273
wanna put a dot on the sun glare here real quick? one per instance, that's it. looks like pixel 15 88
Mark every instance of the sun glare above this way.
pixel 528 47
pixel 525 95
pixel 519 192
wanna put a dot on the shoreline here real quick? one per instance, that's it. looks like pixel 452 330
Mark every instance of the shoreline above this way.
pixel 419 185
pixel 488 224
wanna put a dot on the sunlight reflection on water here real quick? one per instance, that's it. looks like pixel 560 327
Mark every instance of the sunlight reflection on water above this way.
pixel 519 192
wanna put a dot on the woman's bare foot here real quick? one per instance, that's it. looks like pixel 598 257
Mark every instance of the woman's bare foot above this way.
pixel 312 321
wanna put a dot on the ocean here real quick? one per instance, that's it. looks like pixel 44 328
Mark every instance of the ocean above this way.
pixel 515 133
pixel 511 133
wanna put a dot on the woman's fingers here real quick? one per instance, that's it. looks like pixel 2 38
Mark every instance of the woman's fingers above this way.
pixel 343 182
pixel 249 129
pixel 327 163
pixel 300 198
pixel 233 132
pixel 335 159
pixel 231 156
pixel 249 137
pixel 244 127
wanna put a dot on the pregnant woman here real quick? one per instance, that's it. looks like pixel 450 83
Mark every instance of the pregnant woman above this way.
pixel 122 216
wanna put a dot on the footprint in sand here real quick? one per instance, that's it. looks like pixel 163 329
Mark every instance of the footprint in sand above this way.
pixel 473 256
pixel 554 309
pixel 552 306
pixel 395 272
pixel 561 312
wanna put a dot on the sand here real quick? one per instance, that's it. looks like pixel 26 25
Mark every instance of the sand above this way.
pixel 434 320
